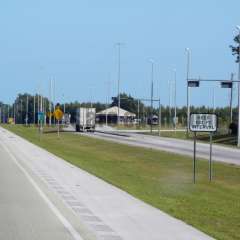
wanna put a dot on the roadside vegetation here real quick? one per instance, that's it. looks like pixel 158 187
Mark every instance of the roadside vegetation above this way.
pixel 159 178
pixel 219 138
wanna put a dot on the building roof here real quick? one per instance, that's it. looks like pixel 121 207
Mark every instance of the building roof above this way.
pixel 114 111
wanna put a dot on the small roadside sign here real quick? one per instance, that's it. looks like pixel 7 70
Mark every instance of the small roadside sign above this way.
pixel 40 116
pixel 203 122
pixel 58 114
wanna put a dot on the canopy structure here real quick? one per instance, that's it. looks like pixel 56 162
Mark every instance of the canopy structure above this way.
pixel 112 115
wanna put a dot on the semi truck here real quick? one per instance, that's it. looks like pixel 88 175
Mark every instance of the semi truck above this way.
pixel 85 119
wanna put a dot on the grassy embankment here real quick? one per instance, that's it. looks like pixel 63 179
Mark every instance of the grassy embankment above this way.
pixel 161 179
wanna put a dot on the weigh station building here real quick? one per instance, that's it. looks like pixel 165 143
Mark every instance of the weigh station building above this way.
pixel 111 115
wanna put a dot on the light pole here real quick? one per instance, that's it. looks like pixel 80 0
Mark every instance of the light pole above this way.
pixel 108 88
pixel 175 99
pixel 63 103
pixel 21 112
pixel 238 140
pixel 188 102
pixel 50 103
pixel 152 63
pixel 8 113
pixel 34 109
pixel 119 77
pixel 231 99
pixel 213 99
pixel 26 120
pixel 170 101
pixel 14 113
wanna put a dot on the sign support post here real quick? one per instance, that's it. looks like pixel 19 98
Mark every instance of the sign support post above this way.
pixel 210 158
pixel 203 122
pixel 58 128
pixel 194 158
pixel 58 114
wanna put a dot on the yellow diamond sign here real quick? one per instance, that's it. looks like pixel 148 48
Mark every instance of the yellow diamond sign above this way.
pixel 58 114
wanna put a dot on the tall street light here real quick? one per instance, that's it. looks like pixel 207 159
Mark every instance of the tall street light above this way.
pixel 231 99
pixel 238 140
pixel 119 77
pixel 170 101
pixel 26 119
pixel 21 111
pixel 152 62
pixel 188 100
pixel 175 98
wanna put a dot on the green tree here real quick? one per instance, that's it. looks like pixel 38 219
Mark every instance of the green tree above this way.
pixel 127 103
pixel 235 49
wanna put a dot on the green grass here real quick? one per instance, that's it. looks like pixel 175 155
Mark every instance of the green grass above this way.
pixel 219 138
pixel 159 178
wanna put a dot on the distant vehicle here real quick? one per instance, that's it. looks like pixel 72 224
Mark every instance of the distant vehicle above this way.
pixel 136 121
pixel 85 119
pixel 66 119
pixel 154 120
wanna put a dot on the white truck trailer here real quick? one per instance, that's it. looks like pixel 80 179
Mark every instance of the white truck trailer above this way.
pixel 85 119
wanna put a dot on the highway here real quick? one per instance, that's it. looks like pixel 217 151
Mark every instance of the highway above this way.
pixel 184 147
pixel 44 197
pixel 24 213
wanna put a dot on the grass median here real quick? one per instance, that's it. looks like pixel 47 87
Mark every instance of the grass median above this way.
pixel 161 179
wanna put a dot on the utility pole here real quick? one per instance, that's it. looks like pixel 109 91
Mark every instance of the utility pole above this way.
pixel 188 99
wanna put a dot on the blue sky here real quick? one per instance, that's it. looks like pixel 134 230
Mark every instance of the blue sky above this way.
pixel 74 42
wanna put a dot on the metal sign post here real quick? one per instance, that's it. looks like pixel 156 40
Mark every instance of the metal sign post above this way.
pixel 58 114
pixel 40 123
pixel 210 158
pixel 202 122
pixel 194 157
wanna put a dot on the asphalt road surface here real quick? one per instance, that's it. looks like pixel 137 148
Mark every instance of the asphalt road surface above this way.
pixel 24 214
pixel 45 197
pixel 184 147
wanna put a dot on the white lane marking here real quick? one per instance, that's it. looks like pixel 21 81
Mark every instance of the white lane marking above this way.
pixel 58 214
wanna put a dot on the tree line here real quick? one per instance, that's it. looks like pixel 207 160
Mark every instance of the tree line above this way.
pixel 25 105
